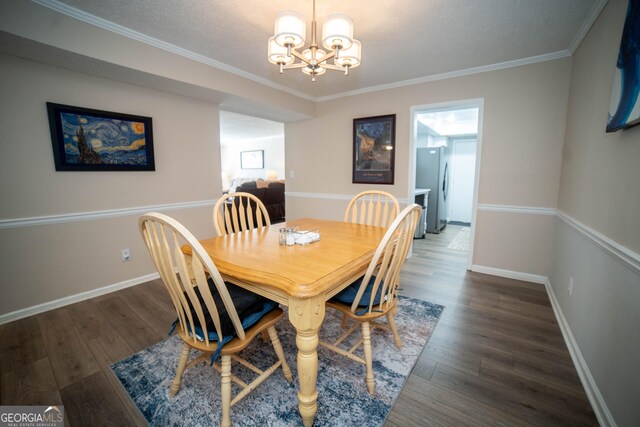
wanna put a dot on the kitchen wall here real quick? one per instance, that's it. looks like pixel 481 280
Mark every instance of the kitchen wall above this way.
pixel 61 232
pixel 597 236
pixel 522 138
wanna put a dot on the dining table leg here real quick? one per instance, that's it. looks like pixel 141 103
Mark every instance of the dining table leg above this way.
pixel 306 315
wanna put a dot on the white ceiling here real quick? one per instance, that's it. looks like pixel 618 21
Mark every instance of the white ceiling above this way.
pixel 401 40
pixel 451 122
pixel 236 128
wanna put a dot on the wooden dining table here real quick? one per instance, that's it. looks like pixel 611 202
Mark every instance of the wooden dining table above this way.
pixel 299 277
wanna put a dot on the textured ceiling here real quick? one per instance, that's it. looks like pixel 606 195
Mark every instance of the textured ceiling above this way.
pixel 236 128
pixel 402 39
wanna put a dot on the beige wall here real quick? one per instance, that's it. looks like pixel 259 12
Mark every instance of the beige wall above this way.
pixel 524 113
pixel 599 170
pixel 600 193
pixel 46 262
pixel 514 242
pixel 526 110
pixel 98 51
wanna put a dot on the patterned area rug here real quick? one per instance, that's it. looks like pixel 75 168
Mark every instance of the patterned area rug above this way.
pixel 342 396
pixel 461 241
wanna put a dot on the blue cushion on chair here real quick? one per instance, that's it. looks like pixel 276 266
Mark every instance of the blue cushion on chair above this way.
pixel 349 294
pixel 250 307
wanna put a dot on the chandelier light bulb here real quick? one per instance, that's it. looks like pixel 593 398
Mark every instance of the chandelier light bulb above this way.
pixel 309 70
pixel 310 57
pixel 337 32
pixel 350 57
pixel 277 54
pixel 290 30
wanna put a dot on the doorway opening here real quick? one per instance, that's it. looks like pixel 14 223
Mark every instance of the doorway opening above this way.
pixel 252 160
pixel 445 148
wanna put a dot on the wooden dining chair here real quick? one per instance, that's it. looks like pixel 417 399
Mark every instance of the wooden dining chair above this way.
pixel 215 318
pixel 372 207
pixel 239 212
pixel 376 294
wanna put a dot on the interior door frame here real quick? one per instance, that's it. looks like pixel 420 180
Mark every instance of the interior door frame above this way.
pixel 413 132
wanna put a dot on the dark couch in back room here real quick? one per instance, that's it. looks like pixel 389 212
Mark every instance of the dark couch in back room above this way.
pixel 271 194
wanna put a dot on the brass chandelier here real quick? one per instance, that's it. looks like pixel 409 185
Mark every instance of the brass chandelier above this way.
pixel 337 39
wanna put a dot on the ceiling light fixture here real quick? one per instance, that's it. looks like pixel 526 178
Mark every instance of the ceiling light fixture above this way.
pixel 337 38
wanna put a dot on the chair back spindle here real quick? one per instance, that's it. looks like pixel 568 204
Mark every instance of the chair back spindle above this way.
pixel 238 212
pixel 372 207
pixel 164 238
pixel 387 262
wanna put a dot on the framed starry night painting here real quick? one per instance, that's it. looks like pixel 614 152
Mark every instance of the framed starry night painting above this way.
pixel 93 140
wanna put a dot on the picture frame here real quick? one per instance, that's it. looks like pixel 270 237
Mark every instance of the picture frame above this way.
pixel 624 108
pixel 252 159
pixel 89 140
pixel 374 146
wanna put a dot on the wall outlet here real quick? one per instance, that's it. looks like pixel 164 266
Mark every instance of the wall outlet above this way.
pixel 570 287
pixel 125 255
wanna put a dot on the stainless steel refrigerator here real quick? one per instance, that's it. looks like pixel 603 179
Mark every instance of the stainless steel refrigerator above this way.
pixel 433 171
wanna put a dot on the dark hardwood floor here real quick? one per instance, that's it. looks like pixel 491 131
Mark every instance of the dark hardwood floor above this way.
pixel 497 356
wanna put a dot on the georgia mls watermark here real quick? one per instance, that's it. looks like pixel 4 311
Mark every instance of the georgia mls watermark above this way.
pixel 31 416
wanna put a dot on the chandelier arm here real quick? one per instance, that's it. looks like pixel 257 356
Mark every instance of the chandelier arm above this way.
pixel 333 67
pixel 291 26
pixel 296 65
pixel 327 57
pixel 300 57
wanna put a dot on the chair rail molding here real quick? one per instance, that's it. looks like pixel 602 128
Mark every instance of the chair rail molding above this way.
pixel 517 209
pixel 328 196
pixel 96 215
pixel 619 252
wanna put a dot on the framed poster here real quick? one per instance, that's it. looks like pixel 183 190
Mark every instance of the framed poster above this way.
pixel 252 159
pixel 93 140
pixel 374 144
pixel 624 110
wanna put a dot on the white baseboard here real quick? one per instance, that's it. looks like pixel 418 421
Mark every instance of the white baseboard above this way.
pixel 527 277
pixel 590 387
pixel 40 308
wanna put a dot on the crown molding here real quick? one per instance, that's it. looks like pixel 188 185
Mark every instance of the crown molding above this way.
pixel 126 32
pixel 143 38
pixel 460 73
pixel 586 26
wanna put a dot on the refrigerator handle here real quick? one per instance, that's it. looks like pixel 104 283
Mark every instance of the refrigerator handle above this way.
pixel 444 181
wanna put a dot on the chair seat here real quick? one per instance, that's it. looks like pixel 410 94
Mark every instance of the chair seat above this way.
pixel 250 307
pixel 348 295
pixel 359 301
pixel 216 318
pixel 236 344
